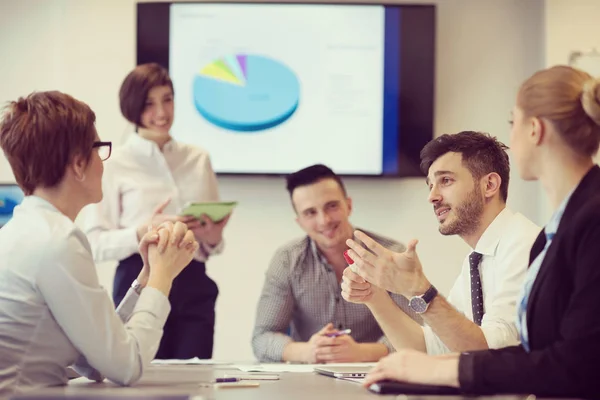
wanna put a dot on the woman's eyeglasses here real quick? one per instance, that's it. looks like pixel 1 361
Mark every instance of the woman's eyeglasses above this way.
pixel 104 149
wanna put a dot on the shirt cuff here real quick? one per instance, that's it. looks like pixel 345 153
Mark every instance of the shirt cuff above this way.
pixel 209 250
pixel 276 343
pixel 153 301
pixel 466 372
pixel 385 341
pixel 125 308
pixel 499 333
pixel 129 240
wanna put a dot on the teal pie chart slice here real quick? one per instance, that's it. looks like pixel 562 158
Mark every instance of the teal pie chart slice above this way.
pixel 246 93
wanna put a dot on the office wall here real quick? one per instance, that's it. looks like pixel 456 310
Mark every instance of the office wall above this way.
pixel 569 26
pixel 484 50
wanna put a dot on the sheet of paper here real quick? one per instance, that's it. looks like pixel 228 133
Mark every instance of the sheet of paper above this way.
pixel 189 361
pixel 285 367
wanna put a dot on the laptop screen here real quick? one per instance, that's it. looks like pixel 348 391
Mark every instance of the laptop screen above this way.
pixel 10 196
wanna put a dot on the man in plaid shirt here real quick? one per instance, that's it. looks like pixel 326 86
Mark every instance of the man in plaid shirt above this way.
pixel 300 308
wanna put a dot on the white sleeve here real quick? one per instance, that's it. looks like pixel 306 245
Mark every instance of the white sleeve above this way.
pixel 433 343
pixel 498 323
pixel 84 311
pixel 100 222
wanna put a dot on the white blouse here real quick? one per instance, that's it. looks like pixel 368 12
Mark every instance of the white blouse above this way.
pixel 54 313
pixel 138 177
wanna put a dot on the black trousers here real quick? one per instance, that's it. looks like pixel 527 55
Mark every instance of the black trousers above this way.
pixel 190 327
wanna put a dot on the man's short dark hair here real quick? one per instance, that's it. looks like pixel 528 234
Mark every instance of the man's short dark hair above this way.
pixel 310 175
pixel 481 154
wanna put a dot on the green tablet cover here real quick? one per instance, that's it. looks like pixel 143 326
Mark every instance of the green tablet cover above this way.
pixel 215 211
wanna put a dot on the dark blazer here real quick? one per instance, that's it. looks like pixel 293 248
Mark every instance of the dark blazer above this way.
pixel 563 314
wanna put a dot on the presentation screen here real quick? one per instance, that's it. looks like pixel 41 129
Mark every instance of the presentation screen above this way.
pixel 272 88
pixel 10 197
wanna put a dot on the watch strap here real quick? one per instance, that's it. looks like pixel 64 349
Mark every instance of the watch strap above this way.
pixel 429 295
pixel 136 286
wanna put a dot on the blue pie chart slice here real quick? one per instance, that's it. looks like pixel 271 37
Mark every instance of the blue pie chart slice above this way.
pixel 246 93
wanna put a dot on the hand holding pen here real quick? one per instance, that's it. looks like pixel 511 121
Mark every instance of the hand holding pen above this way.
pixel 339 333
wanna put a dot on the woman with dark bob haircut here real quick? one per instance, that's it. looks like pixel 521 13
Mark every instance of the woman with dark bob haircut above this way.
pixel 53 311
pixel 148 181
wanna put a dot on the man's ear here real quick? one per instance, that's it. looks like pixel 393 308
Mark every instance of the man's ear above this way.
pixel 491 185
pixel 349 202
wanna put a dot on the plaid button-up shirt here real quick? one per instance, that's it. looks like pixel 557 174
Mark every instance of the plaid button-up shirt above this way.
pixel 301 295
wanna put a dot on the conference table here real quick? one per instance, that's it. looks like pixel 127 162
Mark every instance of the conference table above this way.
pixel 193 382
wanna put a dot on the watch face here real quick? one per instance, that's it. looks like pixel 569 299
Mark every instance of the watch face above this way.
pixel 418 305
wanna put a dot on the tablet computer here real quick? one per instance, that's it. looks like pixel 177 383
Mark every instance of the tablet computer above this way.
pixel 395 387
pixel 216 211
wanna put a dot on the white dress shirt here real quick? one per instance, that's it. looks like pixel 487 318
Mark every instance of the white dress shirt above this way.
pixel 138 177
pixel 54 313
pixel 505 246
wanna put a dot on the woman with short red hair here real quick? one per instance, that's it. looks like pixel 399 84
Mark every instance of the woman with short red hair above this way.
pixel 53 311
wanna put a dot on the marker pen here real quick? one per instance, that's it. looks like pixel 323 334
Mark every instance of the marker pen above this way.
pixel 350 262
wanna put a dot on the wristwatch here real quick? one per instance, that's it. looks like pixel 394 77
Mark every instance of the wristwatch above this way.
pixel 419 304
pixel 136 286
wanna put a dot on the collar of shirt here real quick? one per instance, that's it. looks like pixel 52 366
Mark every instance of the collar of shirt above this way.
pixel 32 201
pixel 148 148
pixel 552 225
pixel 488 243
pixel 317 253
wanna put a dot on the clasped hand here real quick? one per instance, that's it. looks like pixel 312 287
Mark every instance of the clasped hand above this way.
pixel 169 246
pixel 204 229
pixel 325 349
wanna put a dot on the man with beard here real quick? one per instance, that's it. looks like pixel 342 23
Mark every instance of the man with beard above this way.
pixel 467 175
pixel 301 316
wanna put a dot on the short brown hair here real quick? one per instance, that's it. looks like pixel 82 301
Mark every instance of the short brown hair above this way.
pixel 41 133
pixel 481 154
pixel 570 100
pixel 135 88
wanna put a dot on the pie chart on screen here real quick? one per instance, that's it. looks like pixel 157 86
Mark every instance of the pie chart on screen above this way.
pixel 246 92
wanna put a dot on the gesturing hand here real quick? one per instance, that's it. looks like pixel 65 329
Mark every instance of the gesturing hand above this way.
pixel 357 290
pixel 207 231
pixel 158 217
pixel 400 273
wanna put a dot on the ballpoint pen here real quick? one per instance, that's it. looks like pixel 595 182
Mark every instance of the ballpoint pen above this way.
pixel 339 333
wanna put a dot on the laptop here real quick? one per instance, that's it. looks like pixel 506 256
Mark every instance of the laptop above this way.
pixel 343 372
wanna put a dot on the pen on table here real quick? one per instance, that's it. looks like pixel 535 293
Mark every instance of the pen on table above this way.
pixel 339 333
pixel 224 380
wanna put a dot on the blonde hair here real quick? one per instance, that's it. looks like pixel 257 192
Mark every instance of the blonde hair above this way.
pixel 570 99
